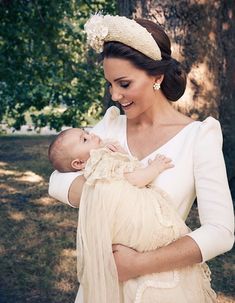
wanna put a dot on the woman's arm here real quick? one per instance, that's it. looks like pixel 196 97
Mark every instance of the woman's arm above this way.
pixel 131 264
pixel 59 185
pixel 75 191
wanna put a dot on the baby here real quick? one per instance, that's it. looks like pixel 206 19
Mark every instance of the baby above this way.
pixel 71 150
pixel 120 205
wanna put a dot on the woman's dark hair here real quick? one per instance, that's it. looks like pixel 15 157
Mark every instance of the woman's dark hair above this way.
pixel 174 82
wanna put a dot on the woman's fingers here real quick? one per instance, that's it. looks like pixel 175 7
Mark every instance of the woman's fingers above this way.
pixel 125 259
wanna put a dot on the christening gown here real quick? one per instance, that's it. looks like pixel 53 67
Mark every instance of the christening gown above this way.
pixel 114 211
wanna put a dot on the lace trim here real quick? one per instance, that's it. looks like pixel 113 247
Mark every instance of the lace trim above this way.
pixel 107 165
pixel 168 218
pixel 156 284
pixel 206 271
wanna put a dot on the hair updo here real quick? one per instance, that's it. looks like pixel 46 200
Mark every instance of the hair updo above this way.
pixel 174 82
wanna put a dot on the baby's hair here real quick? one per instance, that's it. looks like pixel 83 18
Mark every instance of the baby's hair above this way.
pixel 58 153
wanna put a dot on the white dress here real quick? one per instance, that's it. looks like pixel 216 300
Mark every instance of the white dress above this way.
pixel 199 170
pixel 114 211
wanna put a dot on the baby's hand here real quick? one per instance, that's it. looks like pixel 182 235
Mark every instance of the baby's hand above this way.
pixel 161 162
pixel 116 147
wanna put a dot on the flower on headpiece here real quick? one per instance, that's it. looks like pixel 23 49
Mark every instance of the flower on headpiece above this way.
pixel 96 32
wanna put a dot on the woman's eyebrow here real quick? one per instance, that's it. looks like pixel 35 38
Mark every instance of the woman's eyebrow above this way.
pixel 117 79
pixel 120 78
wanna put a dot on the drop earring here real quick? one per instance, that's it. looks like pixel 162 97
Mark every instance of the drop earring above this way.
pixel 156 86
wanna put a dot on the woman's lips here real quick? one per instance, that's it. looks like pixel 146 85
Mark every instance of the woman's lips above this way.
pixel 126 105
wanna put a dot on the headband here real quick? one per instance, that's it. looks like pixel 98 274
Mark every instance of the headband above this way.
pixel 100 29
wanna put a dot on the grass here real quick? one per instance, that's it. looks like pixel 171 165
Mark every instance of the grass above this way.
pixel 38 234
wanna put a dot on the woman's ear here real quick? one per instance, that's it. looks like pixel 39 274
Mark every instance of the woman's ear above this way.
pixel 159 79
pixel 78 164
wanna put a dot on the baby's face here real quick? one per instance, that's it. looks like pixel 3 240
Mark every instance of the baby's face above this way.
pixel 80 143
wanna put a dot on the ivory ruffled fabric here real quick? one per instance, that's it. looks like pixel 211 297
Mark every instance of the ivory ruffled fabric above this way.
pixel 114 211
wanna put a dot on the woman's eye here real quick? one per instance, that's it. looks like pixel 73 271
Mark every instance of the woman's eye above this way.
pixel 124 84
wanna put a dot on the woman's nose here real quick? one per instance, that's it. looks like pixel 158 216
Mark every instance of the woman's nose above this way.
pixel 115 95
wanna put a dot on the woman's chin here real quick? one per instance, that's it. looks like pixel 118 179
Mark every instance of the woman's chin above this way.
pixel 131 115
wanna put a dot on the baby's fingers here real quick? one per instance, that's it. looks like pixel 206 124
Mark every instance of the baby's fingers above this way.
pixel 162 158
pixel 112 147
pixel 167 160
pixel 169 165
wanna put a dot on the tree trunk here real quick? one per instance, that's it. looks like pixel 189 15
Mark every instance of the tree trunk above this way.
pixel 203 39
pixel 227 83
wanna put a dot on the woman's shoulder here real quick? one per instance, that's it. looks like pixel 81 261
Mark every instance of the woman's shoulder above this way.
pixel 111 123
pixel 210 125
pixel 208 134
pixel 183 119
pixel 112 114
pixel 201 133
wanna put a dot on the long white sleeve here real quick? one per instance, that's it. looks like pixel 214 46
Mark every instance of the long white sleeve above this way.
pixel 215 236
pixel 59 184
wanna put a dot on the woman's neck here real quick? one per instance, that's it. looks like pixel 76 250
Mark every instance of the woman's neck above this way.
pixel 160 113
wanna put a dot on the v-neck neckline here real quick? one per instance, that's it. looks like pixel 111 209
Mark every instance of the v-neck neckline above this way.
pixel 160 147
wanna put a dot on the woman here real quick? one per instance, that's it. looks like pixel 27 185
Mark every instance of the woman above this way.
pixel 143 79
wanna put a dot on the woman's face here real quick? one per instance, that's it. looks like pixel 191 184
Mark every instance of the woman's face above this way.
pixel 129 86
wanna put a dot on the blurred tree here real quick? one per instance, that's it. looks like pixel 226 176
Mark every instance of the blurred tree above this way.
pixel 203 39
pixel 43 62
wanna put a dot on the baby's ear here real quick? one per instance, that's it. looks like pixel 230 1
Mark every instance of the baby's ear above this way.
pixel 78 164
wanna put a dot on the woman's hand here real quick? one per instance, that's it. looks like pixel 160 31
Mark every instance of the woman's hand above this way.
pixel 178 254
pixel 126 260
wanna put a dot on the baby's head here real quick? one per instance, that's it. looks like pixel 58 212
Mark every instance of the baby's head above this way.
pixel 71 149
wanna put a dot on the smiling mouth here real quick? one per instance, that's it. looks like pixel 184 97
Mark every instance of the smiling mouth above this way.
pixel 126 105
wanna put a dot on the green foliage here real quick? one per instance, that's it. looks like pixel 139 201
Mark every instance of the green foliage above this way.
pixel 44 62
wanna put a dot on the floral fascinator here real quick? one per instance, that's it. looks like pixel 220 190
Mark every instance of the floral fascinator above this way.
pixel 100 29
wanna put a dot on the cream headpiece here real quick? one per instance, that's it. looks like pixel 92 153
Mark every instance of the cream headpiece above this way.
pixel 101 29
